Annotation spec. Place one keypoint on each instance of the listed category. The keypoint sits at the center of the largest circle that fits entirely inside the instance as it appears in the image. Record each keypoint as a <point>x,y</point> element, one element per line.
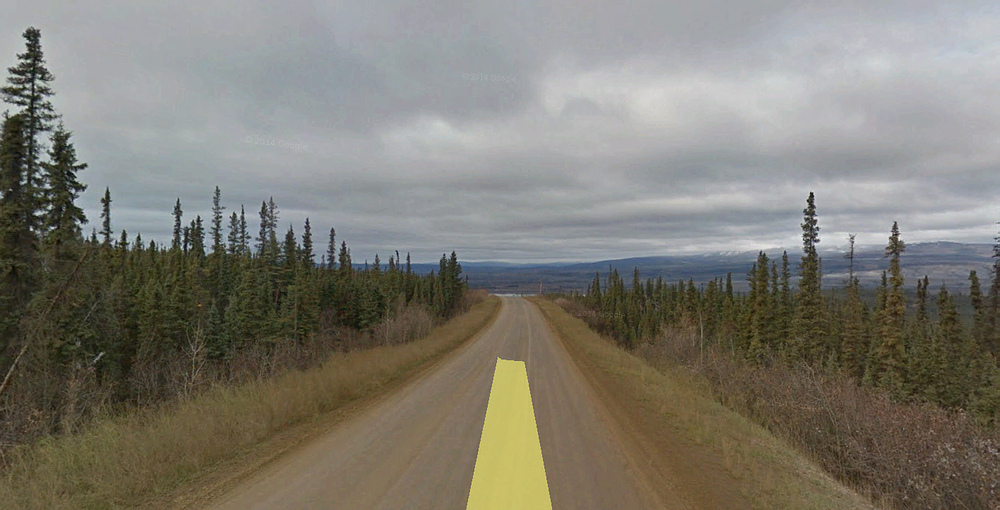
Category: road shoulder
<point>212,484</point>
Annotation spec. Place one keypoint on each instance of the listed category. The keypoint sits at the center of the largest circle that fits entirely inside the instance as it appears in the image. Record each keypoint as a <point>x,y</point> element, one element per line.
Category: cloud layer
<point>530,131</point>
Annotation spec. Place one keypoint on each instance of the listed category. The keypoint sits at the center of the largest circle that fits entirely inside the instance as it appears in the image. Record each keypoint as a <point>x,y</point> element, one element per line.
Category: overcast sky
<point>601,129</point>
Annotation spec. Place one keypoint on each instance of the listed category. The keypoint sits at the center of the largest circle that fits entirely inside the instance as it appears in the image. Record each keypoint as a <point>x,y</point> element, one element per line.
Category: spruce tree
<point>272,231</point>
<point>63,220</point>
<point>263,233</point>
<point>234,234</point>
<point>217,208</point>
<point>410,285</point>
<point>922,360</point>
<point>175,245</point>
<point>850,256</point>
<point>809,322</point>
<point>594,294</point>
<point>106,217</point>
<point>760,317</point>
<point>244,233</point>
<point>711,312</point>
<point>455,275</point>
<point>891,352</point>
<point>444,287</point>
<point>331,250</point>
<point>28,87</point>
<point>308,258</point>
<point>197,238</point>
<point>344,260</point>
<point>691,300</point>
<point>290,249</point>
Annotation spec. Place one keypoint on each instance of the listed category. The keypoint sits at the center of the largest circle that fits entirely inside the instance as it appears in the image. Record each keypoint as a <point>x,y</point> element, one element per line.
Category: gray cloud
<point>532,130</point>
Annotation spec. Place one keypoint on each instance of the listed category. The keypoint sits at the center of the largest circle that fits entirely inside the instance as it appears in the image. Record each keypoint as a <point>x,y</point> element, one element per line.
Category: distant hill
<point>946,262</point>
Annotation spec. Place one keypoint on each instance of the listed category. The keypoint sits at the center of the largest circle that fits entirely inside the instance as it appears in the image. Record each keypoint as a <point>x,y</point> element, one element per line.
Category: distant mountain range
<point>945,262</point>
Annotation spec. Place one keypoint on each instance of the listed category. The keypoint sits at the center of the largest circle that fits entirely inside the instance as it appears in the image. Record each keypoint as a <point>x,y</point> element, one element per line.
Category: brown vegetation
<point>902,455</point>
<point>766,469</point>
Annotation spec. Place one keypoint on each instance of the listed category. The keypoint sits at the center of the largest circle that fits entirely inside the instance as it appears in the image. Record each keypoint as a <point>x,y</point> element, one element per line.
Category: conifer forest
<point>98,321</point>
<point>919,349</point>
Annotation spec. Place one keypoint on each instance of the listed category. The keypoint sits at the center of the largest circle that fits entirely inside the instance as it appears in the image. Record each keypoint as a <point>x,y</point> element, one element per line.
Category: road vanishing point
<point>505,421</point>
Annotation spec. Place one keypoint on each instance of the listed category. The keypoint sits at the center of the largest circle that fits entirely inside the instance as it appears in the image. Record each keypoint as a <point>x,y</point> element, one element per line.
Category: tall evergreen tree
<point>308,258</point>
<point>594,294</point>
<point>922,359</point>
<point>63,219</point>
<point>760,316</point>
<point>244,233</point>
<point>344,260</point>
<point>106,217</point>
<point>331,250</point>
<point>234,234</point>
<point>809,324</point>
<point>217,208</point>
<point>272,230</point>
<point>196,238</point>
<point>455,274</point>
<point>850,257</point>
<point>263,233</point>
<point>290,251</point>
<point>175,245</point>
<point>28,87</point>
<point>891,352</point>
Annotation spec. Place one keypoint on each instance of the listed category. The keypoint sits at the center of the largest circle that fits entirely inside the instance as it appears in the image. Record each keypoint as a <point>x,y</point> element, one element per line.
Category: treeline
<point>123,318</point>
<point>911,355</point>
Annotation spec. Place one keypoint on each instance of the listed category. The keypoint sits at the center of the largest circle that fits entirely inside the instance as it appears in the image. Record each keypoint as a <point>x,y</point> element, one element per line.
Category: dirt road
<point>417,448</point>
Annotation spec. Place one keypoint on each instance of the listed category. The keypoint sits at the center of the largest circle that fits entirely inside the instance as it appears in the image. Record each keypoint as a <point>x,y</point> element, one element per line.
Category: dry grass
<point>771,473</point>
<point>124,461</point>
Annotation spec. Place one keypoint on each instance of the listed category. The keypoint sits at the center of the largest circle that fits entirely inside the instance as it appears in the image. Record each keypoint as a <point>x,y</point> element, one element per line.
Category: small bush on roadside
<point>405,324</point>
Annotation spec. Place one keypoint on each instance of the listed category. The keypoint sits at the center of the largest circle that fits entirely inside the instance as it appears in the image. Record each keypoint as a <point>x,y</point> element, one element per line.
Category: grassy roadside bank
<point>770,473</point>
<point>125,461</point>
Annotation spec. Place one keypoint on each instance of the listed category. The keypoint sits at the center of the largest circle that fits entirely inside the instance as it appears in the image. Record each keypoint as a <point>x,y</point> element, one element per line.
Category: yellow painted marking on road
<point>509,472</point>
